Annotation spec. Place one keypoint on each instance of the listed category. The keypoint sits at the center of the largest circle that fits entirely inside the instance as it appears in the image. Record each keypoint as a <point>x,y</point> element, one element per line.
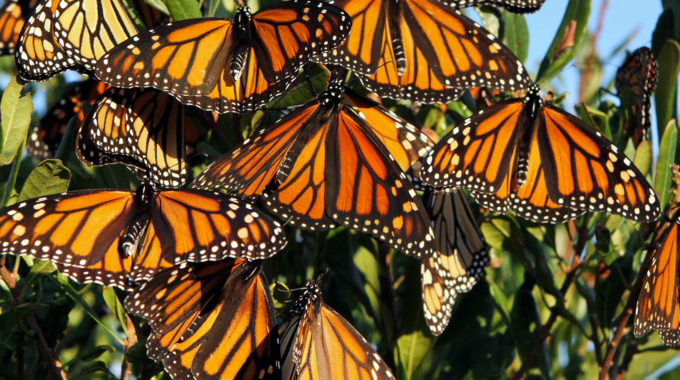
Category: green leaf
<point>15,115</point>
<point>667,149</point>
<point>669,64</point>
<point>49,177</point>
<point>183,9</point>
<point>567,40</point>
<point>516,36</point>
<point>643,156</point>
<point>311,83</point>
<point>112,301</point>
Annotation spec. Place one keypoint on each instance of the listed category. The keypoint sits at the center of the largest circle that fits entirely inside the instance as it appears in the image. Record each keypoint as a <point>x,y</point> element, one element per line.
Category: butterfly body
<point>134,233</point>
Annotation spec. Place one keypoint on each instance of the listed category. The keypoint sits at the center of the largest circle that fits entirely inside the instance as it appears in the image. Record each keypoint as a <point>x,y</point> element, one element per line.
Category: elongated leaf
<point>183,9</point>
<point>669,65</point>
<point>516,36</point>
<point>49,177</point>
<point>667,150</point>
<point>567,40</point>
<point>15,117</point>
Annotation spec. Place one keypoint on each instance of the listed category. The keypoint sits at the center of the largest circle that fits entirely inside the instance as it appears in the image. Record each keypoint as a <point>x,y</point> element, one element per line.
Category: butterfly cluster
<point>191,254</point>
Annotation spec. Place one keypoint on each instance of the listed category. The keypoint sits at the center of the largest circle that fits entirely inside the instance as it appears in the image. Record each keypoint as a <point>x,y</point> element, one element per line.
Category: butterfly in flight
<point>46,136</point>
<point>318,343</point>
<point>635,82</point>
<point>458,260</point>
<point>142,128</point>
<point>227,65</point>
<point>210,320</point>
<point>658,305</point>
<point>117,237</point>
<point>423,50</point>
<point>544,163</point>
<point>329,163</point>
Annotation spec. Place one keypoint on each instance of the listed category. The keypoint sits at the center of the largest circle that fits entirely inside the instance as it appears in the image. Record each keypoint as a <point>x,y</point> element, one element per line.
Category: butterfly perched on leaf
<point>318,343</point>
<point>73,34</point>
<point>13,14</point>
<point>227,65</point>
<point>117,237</point>
<point>329,163</point>
<point>210,320</point>
<point>636,81</point>
<point>46,136</point>
<point>658,305</point>
<point>458,260</point>
<point>423,50</point>
<point>142,128</point>
<point>544,163</point>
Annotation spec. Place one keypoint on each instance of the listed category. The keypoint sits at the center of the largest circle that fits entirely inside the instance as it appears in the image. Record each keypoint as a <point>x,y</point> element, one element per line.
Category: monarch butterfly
<point>635,83</point>
<point>458,260</point>
<point>116,237</point>
<point>545,163</point>
<point>13,15</point>
<point>210,320</point>
<point>65,34</point>
<point>227,65</point>
<point>143,129</point>
<point>46,135</point>
<point>423,50</point>
<point>318,343</point>
<point>517,6</point>
<point>325,164</point>
<point>658,306</point>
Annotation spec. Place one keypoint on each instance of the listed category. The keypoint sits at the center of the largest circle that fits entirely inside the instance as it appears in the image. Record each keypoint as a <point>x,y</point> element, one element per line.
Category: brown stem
<point>54,366</point>
<point>129,342</point>
<point>595,326</point>
<point>585,73</point>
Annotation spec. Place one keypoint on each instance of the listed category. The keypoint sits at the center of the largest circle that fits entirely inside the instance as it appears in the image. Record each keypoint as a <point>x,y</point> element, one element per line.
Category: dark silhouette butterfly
<point>70,34</point>
<point>635,83</point>
<point>117,237</point>
<point>318,343</point>
<point>328,163</point>
<point>458,260</point>
<point>45,137</point>
<point>227,65</point>
<point>212,320</point>
<point>423,50</point>
<point>544,163</point>
<point>144,129</point>
<point>658,305</point>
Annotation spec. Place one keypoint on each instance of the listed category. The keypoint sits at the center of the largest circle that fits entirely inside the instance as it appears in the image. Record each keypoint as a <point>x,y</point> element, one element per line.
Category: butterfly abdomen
<point>136,230</point>
<point>242,35</point>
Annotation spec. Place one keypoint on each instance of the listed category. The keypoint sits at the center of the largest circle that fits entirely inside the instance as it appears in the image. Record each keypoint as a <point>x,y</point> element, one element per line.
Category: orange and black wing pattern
<point>140,128</point>
<point>45,137</point>
<point>516,6</point>
<point>213,64</point>
<point>636,81</point>
<point>213,320</point>
<point>321,166</point>
<point>539,160</point>
<point>12,18</point>
<point>70,34</point>
<point>458,260</point>
<point>423,50</point>
<point>658,306</point>
<point>318,343</point>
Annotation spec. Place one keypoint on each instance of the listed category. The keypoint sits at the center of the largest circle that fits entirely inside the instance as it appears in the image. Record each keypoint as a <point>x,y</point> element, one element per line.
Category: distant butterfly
<point>72,34</point>
<point>458,260</point>
<point>227,65</point>
<point>211,320</point>
<point>329,163</point>
<point>13,14</point>
<point>45,137</point>
<point>636,81</point>
<point>423,50</point>
<point>318,343</point>
<point>544,163</point>
<point>658,306</point>
<point>143,129</point>
<point>116,237</point>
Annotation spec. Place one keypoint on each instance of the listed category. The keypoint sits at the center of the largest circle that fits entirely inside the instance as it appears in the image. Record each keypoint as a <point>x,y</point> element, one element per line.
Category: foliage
<point>556,301</point>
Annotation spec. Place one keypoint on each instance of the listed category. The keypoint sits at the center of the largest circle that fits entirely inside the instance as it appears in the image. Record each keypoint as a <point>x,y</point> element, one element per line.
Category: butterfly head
<point>333,93</point>
<point>533,101</point>
<point>242,20</point>
<point>145,194</point>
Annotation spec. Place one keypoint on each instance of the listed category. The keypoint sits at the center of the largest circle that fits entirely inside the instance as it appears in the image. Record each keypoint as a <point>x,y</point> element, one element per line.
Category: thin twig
<point>54,366</point>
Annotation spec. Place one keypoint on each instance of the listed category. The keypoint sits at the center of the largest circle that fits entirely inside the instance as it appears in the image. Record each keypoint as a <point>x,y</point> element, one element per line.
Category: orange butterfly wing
<point>458,260</point>
<point>318,343</point>
<point>12,19</point>
<point>211,320</point>
<point>658,306</point>
<point>635,83</point>
<point>191,59</point>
